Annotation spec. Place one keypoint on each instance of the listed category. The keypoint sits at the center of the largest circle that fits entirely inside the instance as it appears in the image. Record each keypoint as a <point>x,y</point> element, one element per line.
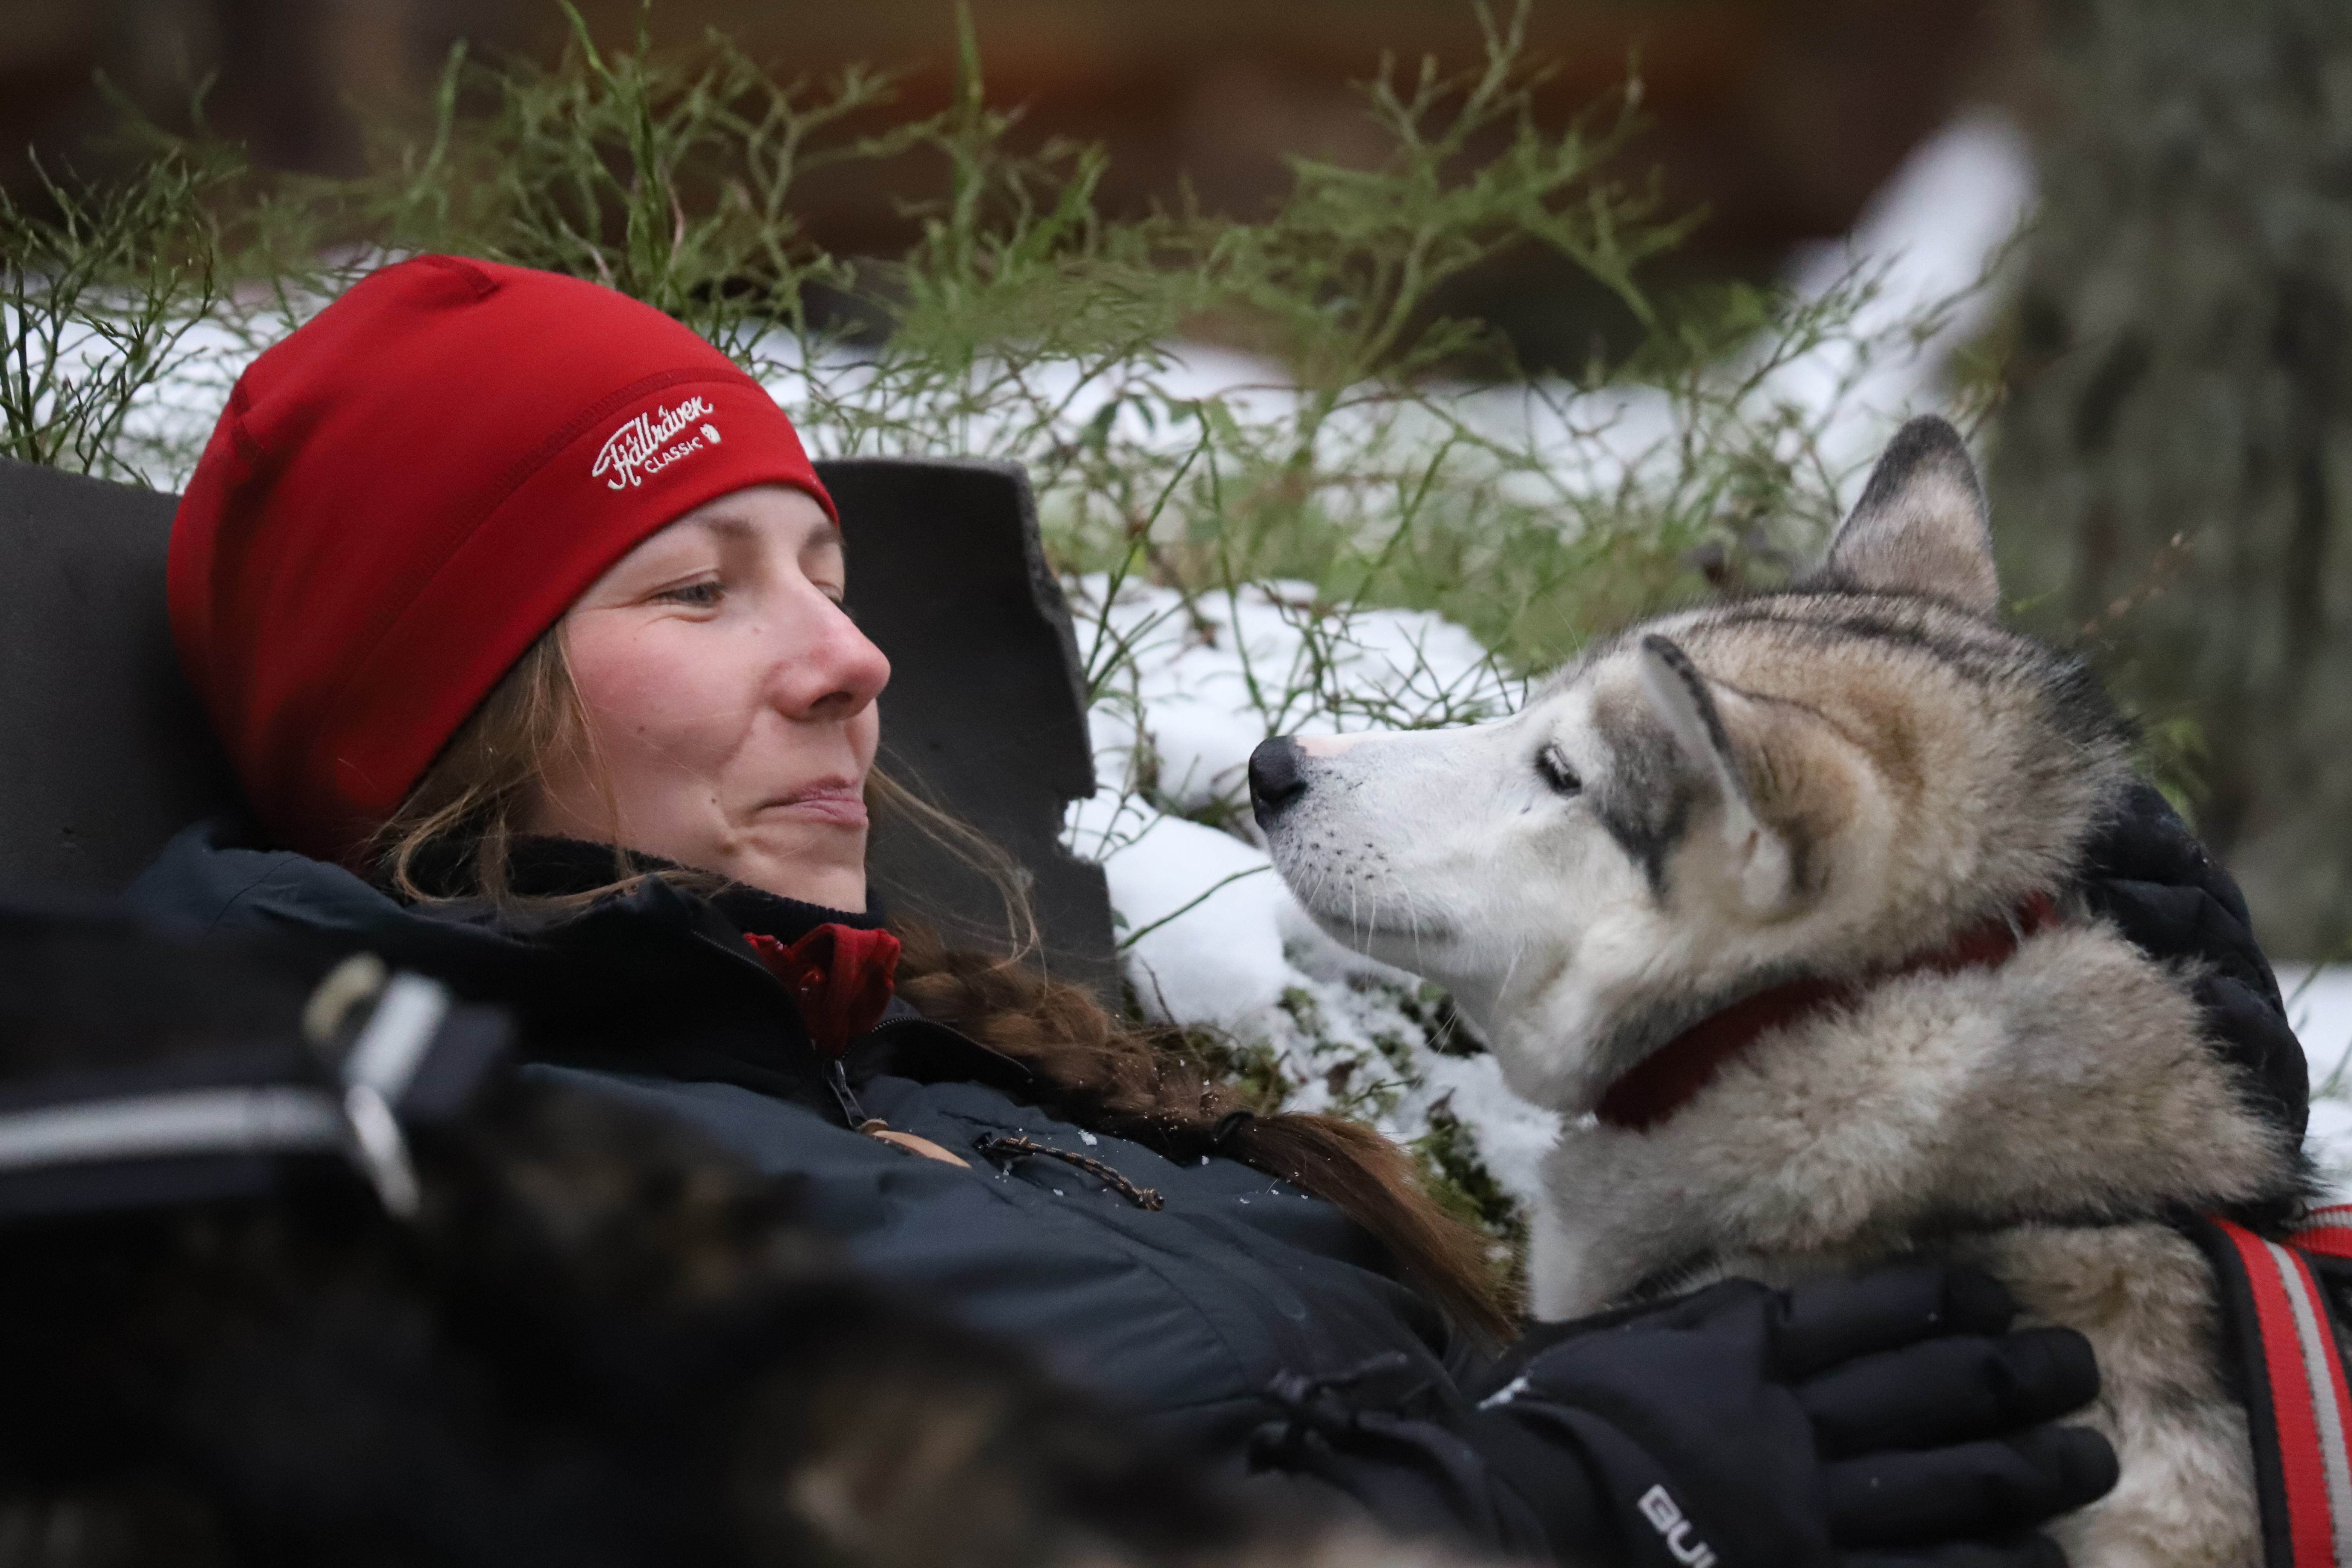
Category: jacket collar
<point>545,867</point>
<point>656,981</point>
<point>903,1043</point>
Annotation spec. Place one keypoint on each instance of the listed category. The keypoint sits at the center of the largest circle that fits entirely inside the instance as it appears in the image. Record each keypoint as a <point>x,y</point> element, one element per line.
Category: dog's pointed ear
<point>1758,861</point>
<point>1921,526</point>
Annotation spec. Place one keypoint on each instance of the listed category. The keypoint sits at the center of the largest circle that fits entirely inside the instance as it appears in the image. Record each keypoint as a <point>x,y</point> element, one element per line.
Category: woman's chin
<point>830,871</point>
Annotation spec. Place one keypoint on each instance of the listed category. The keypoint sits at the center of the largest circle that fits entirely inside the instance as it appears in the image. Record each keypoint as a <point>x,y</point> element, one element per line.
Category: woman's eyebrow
<point>732,527</point>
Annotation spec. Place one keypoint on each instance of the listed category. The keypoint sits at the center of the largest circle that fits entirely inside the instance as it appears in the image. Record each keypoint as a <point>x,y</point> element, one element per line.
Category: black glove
<point>1869,1423</point>
<point>1874,1420</point>
<point>2146,872</point>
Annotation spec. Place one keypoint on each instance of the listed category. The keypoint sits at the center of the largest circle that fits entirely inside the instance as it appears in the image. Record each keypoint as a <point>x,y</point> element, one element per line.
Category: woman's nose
<point>836,669</point>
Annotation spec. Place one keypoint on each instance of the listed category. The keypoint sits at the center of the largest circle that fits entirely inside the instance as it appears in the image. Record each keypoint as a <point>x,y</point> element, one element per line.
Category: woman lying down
<point>518,610</point>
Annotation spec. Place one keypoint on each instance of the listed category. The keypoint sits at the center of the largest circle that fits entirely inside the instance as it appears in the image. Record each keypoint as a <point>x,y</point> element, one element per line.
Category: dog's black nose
<point>1274,777</point>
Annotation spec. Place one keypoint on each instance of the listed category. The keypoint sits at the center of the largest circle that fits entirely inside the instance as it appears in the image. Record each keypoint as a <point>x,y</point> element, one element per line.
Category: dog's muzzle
<point>1275,778</point>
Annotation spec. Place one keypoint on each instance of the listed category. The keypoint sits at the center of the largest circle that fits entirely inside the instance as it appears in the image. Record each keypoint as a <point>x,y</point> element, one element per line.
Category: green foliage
<point>2173,754</point>
<point>672,182</point>
<point>1021,322</point>
<point>1451,1168</point>
<point>98,304</point>
<point>1253,1066</point>
<point>1369,1085</point>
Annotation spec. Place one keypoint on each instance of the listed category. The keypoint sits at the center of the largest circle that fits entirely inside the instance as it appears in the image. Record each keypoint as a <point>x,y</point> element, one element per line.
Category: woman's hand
<point>1882,1419</point>
<point>1890,1420</point>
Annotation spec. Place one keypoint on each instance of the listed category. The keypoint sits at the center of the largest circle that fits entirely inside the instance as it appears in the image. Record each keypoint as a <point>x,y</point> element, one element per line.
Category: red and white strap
<point>2327,1230</point>
<point>2310,1404</point>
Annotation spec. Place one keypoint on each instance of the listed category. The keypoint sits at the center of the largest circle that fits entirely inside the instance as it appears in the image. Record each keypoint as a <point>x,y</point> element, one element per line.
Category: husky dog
<point>1769,899</point>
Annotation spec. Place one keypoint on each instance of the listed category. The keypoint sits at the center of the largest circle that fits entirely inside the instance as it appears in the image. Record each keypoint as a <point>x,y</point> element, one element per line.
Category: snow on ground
<point>2319,1004</point>
<point>1918,268</point>
<point>1940,224</point>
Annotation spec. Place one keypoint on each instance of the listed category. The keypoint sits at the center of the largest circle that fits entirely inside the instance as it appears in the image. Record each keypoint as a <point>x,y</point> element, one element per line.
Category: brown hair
<point>1109,1074</point>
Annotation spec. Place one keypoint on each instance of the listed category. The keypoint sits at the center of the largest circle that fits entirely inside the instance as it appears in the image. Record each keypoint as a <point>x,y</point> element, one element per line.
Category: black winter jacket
<point>1182,1316</point>
<point>1188,1316</point>
<point>1239,1317</point>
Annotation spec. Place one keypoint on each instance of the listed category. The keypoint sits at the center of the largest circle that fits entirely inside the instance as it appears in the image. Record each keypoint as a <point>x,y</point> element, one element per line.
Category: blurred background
<point>1780,117</point>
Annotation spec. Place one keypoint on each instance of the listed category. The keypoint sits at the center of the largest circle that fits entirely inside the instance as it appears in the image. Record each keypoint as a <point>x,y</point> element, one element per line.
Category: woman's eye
<point>1557,773</point>
<point>702,594</point>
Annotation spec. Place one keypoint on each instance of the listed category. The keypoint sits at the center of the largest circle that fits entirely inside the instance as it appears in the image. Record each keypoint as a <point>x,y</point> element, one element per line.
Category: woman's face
<point>729,702</point>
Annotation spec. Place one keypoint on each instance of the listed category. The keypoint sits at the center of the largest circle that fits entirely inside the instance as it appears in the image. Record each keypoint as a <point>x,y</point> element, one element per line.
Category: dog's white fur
<point>1830,781</point>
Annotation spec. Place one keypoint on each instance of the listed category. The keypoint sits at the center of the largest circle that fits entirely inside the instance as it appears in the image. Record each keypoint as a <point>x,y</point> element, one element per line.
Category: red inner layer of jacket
<point>839,975</point>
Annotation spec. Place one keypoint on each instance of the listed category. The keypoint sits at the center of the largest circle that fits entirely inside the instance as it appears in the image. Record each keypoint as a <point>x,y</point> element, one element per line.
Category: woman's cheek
<point>654,687</point>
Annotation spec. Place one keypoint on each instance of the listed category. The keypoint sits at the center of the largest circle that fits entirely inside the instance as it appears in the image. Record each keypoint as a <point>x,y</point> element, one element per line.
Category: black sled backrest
<point>104,752</point>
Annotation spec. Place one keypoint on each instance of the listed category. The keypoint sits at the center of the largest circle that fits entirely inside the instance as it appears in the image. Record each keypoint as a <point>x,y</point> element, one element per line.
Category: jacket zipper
<point>836,1079</point>
<point>835,1075</point>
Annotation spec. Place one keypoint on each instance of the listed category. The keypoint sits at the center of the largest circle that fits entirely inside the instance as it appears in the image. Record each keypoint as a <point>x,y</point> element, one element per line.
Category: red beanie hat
<point>411,487</point>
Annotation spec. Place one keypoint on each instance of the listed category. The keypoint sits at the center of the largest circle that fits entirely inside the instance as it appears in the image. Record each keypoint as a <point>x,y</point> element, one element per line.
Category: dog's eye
<point>1557,773</point>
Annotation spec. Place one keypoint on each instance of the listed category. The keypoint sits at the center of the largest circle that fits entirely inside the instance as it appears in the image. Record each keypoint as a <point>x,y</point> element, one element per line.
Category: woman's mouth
<point>839,802</point>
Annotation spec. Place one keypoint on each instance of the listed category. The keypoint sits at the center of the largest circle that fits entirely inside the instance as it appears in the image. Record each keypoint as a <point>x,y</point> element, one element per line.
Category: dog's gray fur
<point>1828,781</point>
